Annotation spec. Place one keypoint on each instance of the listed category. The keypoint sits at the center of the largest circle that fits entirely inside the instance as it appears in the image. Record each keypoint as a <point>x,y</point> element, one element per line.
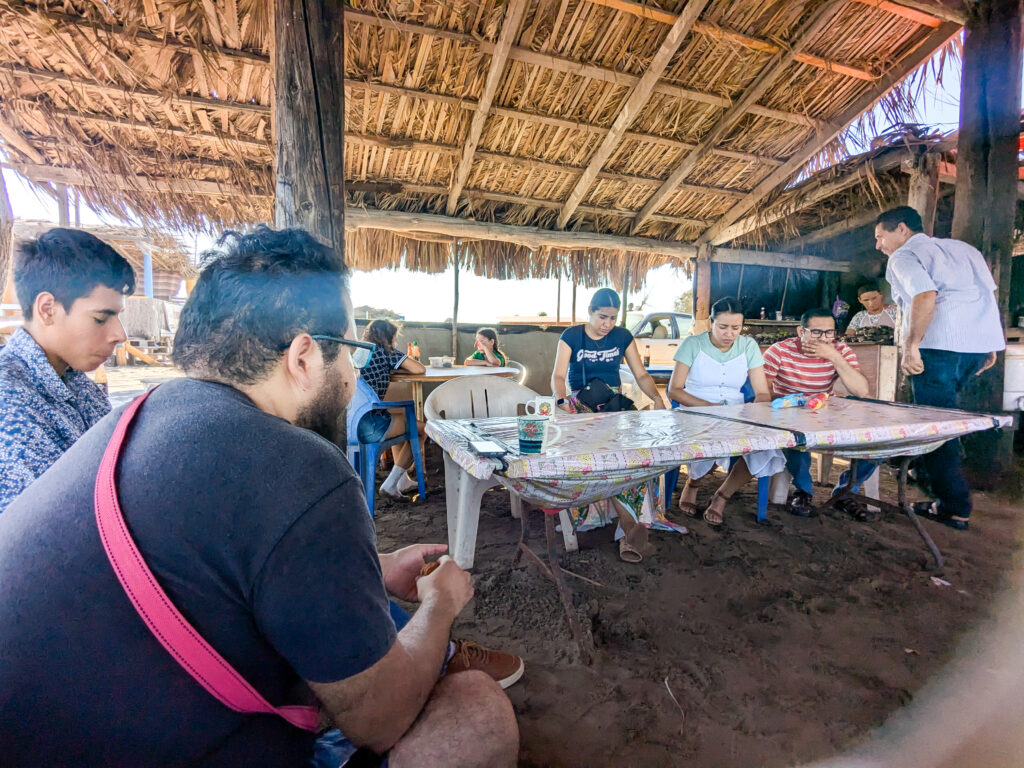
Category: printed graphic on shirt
<point>598,355</point>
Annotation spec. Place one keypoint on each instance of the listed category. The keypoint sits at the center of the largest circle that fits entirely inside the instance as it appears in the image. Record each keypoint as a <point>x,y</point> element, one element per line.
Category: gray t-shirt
<point>257,530</point>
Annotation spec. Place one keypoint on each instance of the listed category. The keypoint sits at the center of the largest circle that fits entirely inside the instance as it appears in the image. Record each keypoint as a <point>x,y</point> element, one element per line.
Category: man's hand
<point>988,363</point>
<point>912,363</point>
<point>821,348</point>
<point>448,587</point>
<point>402,567</point>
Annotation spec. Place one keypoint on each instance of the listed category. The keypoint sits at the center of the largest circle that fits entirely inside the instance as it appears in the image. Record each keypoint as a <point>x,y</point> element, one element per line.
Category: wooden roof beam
<point>495,70</point>
<point>555,122</point>
<point>396,188</point>
<point>138,125</point>
<point>928,14</point>
<point>771,72</point>
<point>631,108</point>
<point>726,228</point>
<point>75,178</point>
<point>581,69</point>
<point>719,33</point>
<point>535,239</point>
<point>385,142</point>
<point>117,91</point>
<point>61,21</point>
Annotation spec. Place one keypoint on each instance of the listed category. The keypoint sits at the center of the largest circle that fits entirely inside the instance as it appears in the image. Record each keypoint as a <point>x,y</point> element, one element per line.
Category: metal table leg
<point>553,571</point>
<point>846,492</point>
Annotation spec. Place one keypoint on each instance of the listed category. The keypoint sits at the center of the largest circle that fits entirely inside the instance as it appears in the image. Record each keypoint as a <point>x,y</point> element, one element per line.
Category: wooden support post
<point>63,217</point>
<point>785,290</point>
<point>702,290</point>
<point>986,182</point>
<point>6,235</point>
<point>78,209</point>
<point>455,307</point>
<point>625,292</point>
<point>309,112</point>
<point>558,300</point>
<point>574,301</point>
<point>924,186</point>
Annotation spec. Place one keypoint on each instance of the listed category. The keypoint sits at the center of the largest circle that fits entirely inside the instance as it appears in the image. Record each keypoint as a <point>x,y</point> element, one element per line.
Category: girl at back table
<point>381,424</point>
<point>487,352</point>
<point>595,350</point>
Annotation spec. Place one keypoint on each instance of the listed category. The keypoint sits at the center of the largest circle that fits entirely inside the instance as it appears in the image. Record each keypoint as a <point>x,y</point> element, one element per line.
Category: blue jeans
<point>945,376</point>
<point>799,465</point>
<point>332,749</point>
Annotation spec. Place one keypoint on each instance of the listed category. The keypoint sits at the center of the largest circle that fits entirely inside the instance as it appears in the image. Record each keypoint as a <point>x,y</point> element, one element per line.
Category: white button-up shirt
<point>966,315</point>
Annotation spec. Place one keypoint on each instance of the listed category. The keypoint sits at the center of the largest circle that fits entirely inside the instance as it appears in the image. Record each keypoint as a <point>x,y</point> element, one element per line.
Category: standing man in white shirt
<point>876,313</point>
<point>952,331</point>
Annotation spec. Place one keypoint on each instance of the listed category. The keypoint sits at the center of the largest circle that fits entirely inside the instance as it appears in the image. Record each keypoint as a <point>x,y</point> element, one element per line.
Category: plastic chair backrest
<point>364,400</point>
<point>521,376</point>
<point>476,397</point>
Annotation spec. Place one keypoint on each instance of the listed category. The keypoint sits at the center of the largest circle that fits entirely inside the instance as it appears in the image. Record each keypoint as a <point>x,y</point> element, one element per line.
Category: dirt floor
<point>760,645</point>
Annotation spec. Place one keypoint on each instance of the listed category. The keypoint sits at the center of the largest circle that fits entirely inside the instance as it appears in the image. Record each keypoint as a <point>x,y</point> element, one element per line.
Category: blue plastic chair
<point>363,456</point>
<point>763,483</point>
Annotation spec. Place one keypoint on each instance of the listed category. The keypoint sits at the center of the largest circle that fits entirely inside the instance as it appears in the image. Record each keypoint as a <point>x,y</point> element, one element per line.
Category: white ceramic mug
<point>542,406</point>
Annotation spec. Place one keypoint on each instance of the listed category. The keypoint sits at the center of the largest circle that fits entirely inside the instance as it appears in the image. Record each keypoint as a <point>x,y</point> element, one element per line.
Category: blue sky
<point>430,297</point>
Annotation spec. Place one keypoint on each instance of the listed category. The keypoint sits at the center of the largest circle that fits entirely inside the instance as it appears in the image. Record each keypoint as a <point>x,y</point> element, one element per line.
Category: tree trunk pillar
<point>309,118</point>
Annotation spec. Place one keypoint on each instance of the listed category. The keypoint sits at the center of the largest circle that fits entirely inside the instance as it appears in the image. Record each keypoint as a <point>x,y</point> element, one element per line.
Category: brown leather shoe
<point>505,668</point>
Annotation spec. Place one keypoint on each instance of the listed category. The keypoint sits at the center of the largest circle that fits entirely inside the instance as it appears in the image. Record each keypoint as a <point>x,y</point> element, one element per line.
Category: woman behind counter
<point>595,350</point>
<point>712,369</point>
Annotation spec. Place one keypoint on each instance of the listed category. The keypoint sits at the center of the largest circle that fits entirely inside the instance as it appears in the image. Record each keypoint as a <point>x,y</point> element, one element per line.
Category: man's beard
<point>326,414</point>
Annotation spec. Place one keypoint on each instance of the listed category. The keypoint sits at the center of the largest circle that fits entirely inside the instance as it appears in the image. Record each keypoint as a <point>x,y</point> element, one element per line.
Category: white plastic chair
<point>478,397</point>
<point>521,376</point>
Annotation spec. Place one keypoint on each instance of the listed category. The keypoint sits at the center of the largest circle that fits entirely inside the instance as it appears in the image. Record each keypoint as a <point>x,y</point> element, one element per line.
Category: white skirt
<point>760,464</point>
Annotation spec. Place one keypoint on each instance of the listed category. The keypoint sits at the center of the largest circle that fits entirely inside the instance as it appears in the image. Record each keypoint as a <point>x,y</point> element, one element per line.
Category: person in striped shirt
<point>810,364</point>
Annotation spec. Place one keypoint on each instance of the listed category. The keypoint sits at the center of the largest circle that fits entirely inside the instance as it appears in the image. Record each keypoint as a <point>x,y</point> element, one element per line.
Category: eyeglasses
<point>361,351</point>
<point>816,333</point>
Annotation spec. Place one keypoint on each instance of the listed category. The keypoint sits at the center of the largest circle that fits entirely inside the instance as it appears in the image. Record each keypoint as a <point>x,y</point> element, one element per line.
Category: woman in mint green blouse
<point>711,369</point>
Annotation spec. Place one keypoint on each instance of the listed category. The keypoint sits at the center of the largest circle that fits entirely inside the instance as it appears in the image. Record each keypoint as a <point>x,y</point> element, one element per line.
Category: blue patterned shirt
<point>41,414</point>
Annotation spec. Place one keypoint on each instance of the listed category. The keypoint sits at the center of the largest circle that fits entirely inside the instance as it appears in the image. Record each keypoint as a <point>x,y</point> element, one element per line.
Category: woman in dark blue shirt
<point>595,350</point>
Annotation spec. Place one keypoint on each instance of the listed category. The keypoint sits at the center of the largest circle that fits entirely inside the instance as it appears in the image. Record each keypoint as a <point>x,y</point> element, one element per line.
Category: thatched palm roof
<point>667,120</point>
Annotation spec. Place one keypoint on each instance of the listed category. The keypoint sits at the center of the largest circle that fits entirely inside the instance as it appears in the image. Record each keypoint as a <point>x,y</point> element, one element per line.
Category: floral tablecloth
<point>599,455</point>
<point>864,429</point>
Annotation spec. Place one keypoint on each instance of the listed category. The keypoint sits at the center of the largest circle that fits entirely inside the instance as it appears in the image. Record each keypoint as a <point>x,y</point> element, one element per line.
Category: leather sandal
<point>711,512</point>
<point>930,511</point>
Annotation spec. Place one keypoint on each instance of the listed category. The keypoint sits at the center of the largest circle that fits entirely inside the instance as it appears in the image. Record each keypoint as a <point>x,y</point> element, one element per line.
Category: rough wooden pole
<point>986,173</point>
<point>924,187</point>
<point>702,289</point>
<point>309,117</point>
<point>986,183</point>
<point>625,292</point>
<point>574,301</point>
<point>63,215</point>
<point>558,299</point>
<point>455,308</point>
<point>6,235</point>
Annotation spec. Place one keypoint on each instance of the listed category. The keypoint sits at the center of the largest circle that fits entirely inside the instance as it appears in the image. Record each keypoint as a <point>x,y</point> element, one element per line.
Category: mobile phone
<point>487,448</point>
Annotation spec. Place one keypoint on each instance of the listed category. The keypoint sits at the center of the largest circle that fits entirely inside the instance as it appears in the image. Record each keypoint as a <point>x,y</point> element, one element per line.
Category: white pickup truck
<point>658,336</point>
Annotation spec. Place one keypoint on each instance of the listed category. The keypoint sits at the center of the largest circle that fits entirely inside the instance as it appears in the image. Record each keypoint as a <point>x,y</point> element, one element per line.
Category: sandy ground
<point>780,644</point>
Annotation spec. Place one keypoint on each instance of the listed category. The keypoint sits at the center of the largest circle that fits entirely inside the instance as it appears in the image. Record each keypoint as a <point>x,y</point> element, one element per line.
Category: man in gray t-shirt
<point>257,530</point>
<point>951,333</point>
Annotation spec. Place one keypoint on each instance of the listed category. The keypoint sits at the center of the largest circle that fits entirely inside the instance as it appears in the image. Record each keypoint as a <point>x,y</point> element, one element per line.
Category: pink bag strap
<point>166,623</point>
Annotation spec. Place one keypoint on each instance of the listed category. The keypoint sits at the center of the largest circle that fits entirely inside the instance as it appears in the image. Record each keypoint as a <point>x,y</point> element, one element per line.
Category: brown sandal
<point>689,508</point>
<point>711,512</point>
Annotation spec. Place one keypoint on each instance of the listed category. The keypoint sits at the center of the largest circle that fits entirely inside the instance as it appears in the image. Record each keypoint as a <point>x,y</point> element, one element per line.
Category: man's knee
<point>483,706</point>
<point>468,720</point>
